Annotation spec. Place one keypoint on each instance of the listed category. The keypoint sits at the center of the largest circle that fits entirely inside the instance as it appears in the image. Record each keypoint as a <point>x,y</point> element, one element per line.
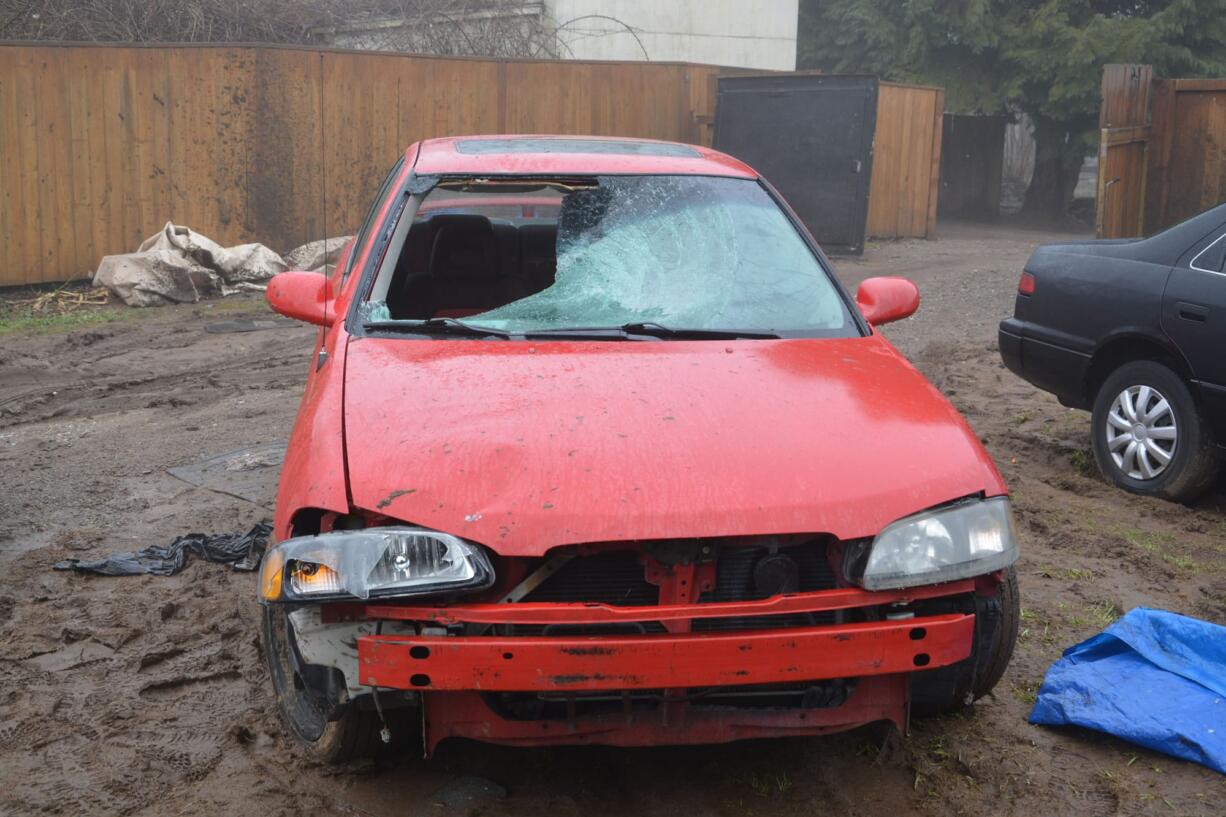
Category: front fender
<point>314,474</point>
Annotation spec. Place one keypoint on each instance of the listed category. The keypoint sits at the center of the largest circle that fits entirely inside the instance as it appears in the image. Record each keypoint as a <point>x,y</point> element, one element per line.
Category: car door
<point>1194,308</point>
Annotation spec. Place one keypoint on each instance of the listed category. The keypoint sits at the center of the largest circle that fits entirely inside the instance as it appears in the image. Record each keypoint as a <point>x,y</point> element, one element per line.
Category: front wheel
<point>951,688</point>
<point>1148,434</point>
<point>352,736</point>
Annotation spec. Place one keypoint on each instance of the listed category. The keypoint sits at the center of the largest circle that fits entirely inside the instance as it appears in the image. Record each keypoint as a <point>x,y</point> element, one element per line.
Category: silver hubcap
<point>1141,432</point>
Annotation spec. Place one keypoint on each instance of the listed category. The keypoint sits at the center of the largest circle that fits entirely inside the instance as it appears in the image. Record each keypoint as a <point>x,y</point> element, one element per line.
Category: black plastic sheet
<point>242,550</point>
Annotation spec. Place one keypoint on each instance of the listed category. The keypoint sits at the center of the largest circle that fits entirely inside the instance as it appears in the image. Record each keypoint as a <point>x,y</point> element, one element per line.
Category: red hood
<point>525,446</point>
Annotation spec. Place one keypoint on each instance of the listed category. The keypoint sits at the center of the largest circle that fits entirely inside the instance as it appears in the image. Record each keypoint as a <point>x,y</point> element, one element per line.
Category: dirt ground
<point>148,695</point>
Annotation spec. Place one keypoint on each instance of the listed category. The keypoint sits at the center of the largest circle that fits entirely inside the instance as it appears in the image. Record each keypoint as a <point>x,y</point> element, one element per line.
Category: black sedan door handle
<point>1192,312</point>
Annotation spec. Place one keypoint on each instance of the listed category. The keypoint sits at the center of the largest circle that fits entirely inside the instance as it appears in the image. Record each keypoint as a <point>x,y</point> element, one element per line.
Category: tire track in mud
<point>101,396</point>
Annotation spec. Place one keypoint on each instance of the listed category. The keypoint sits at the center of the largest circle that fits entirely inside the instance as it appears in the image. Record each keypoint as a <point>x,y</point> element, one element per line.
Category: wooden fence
<point>1123,150</point>
<point>1187,153</point>
<point>100,145</point>
<point>1162,150</point>
<point>902,194</point>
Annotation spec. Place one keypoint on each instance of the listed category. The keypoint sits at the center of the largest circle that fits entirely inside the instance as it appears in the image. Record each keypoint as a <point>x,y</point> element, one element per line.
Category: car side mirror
<point>882,300</point>
<point>304,296</point>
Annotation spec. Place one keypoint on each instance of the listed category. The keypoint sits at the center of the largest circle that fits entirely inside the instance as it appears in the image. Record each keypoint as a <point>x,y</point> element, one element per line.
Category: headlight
<point>956,542</point>
<point>372,562</point>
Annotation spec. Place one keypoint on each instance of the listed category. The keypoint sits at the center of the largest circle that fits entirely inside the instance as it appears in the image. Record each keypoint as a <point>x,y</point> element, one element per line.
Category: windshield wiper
<point>650,329</point>
<point>660,331</point>
<point>438,326</point>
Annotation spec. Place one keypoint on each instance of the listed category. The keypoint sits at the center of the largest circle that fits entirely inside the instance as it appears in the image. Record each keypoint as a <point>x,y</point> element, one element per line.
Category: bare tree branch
<point>628,29</point>
<point>487,28</point>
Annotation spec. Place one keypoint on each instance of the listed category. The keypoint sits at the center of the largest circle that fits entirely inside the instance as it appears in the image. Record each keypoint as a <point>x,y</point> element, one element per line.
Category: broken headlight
<point>372,562</point>
<point>955,542</point>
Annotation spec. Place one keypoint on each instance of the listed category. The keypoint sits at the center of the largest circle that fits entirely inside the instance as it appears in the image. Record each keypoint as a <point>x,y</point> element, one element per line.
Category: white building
<point>740,33</point>
<point>737,33</point>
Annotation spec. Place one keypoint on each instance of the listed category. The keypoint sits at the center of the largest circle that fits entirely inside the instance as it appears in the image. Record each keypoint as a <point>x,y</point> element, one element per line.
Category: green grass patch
<point>1025,692</point>
<point>1036,627</point>
<point>1097,615</point>
<point>65,307</point>
<point>24,322</point>
<point>766,785</point>
<point>1083,462</point>
<point>1145,539</point>
<point>1103,613</point>
<point>1159,544</point>
<point>1179,560</point>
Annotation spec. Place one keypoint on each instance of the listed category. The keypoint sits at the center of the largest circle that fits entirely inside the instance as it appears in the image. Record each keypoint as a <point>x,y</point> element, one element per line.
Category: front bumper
<point>663,687</point>
<point>589,663</point>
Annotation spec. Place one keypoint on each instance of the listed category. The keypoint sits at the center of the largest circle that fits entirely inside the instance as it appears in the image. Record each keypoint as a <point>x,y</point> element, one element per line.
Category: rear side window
<point>1212,258</point>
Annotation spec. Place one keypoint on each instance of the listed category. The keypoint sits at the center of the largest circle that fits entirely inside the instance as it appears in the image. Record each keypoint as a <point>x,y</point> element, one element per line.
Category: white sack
<point>313,256</point>
<point>180,265</point>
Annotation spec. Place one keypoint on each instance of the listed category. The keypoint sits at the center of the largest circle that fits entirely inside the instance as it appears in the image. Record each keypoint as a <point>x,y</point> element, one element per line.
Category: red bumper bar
<point>524,664</point>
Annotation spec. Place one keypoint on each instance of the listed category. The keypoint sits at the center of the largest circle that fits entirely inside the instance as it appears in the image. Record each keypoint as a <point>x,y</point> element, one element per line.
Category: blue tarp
<point>1153,678</point>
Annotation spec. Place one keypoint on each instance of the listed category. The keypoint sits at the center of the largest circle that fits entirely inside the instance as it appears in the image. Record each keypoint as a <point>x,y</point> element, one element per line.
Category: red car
<point>595,449</point>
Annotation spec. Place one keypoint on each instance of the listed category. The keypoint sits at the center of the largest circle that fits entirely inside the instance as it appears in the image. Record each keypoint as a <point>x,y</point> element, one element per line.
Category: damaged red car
<point>595,449</point>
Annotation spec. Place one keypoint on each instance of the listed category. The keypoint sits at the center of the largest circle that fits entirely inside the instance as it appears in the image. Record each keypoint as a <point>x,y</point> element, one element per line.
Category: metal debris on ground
<point>248,473</point>
<point>245,325</point>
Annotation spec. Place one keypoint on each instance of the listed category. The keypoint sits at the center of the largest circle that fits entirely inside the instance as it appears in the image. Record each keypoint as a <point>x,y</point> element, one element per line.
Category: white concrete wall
<point>742,33</point>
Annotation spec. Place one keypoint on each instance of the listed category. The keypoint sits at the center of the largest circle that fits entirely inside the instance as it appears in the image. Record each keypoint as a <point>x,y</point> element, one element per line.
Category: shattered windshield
<point>685,253</point>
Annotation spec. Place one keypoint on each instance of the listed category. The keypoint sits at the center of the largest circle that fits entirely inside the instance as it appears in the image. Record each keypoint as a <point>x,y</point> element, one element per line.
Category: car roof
<point>579,155</point>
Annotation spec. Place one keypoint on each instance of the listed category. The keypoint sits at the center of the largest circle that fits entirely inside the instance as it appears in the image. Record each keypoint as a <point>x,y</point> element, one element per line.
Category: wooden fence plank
<point>29,260</point>
<point>285,149</point>
<point>902,193</point>
<point>934,175</point>
<point>1123,123</point>
<point>1125,95</point>
<point>8,160</point>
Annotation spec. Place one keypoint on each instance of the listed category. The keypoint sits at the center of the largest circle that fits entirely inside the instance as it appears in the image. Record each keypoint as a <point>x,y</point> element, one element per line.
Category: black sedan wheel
<point>1148,433</point>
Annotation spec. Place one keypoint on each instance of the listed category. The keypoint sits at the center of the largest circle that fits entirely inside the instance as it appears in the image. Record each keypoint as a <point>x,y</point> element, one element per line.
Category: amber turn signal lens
<point>272,571</point>
<point>313,579</point>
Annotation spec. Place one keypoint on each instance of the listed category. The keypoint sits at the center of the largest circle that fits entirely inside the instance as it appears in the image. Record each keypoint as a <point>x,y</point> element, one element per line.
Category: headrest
<point>464,248</point>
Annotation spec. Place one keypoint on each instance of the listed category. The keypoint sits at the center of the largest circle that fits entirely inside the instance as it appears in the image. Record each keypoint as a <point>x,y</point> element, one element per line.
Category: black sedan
<point>1134,330</point>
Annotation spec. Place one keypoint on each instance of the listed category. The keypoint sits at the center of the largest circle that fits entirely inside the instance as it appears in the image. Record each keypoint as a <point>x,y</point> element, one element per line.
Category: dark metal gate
<point>811,136</point>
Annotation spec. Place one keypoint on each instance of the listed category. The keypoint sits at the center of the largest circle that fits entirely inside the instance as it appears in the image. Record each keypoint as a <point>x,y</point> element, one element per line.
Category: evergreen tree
<point>1040,57</point>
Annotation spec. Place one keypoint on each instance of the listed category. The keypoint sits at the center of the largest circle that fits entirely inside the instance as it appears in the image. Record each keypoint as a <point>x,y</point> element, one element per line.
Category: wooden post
<point>938,123</point>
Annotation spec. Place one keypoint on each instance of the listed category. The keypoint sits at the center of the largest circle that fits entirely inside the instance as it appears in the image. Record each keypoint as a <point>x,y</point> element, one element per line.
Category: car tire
<point>355,735</point>
<point>1129,457</point>
<point>953,688</point>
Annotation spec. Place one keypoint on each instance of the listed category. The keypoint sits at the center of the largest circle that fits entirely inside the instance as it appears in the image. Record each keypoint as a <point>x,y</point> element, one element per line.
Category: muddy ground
<point>148,695</point>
